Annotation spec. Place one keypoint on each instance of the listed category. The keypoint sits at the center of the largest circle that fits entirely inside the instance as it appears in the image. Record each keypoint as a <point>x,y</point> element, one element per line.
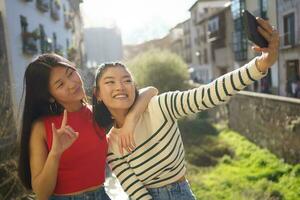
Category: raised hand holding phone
<point>265,38</point>
<point>251,25</point>
<point>63,137</point>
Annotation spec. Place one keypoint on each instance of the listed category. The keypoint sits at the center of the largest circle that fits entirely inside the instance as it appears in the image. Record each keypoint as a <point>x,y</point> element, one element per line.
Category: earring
<point>53,107</point>
<point>99,100</point>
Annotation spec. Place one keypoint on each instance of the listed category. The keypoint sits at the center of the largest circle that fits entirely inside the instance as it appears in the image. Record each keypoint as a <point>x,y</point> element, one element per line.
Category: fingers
<point>64,120</point>
<point>54,130</point>
<point>132,142</point>
<point>127,143</point>
<point>120,146</point>
<point>67,129</point>
<point>264,24</point>
<point>265,34</point>
<point>70,132</point>
<point>274,42</point>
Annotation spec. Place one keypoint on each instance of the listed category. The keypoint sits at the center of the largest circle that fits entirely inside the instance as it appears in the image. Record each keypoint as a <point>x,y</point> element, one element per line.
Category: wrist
<point>259,66</point>
<point>54,154</point>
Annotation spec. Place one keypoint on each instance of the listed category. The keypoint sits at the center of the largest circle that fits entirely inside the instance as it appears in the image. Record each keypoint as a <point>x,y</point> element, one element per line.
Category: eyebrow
<point>66,72</point>
<point>111,77</point>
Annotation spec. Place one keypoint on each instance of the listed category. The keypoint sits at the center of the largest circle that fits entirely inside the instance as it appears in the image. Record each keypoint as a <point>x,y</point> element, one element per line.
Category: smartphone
<point>250,26</point>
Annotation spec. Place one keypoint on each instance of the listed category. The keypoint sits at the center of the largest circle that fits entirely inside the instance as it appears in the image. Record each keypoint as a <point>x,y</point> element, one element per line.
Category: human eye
<point>59,85</point>
<point>109,82</point>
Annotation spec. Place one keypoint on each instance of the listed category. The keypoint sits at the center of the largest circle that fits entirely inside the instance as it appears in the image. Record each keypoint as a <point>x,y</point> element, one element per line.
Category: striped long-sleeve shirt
<point>158,159</point>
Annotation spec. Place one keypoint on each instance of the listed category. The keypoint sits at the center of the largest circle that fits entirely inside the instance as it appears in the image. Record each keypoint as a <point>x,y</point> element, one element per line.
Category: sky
<point>138,20</point>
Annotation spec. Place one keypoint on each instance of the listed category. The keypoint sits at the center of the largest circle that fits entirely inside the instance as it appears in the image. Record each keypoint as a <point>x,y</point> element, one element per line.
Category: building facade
<point>220,26</point>
<point>289,55</point>
<point>32,27</point>
<point>180,40</point>
<point>102,45</point>
<point>200,11</point>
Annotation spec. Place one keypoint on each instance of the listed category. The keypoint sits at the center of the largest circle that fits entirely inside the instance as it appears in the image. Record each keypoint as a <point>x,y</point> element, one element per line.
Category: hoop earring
<point>53,107</point>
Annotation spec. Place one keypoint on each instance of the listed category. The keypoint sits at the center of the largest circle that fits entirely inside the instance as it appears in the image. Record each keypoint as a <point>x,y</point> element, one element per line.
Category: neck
<point>119,116</point>
<point>73,107</point>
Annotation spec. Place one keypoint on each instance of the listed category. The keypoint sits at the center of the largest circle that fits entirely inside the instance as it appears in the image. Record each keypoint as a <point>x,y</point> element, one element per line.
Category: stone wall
<point>272,122</point>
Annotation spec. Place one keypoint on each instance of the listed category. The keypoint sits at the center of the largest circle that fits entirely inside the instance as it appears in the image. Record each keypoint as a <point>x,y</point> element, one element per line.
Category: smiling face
<point>116,89</point>
<point>66,87</point>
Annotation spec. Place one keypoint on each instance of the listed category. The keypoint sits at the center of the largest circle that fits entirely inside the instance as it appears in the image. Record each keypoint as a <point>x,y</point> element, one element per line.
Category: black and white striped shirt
<point>158,159</point>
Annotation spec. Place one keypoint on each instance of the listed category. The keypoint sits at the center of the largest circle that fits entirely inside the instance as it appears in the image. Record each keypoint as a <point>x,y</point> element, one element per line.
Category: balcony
<point>55,8</point>
<point>69,16</point>
<point>42,5</point>
<point>29,42</point>
<point>46,45</point>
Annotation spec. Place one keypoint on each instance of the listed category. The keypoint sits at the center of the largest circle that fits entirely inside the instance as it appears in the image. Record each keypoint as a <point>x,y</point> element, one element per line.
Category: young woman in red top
<point>63,152</point>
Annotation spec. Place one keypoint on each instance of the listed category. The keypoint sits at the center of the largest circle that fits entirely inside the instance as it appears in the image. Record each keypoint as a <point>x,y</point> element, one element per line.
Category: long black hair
<point>37,104</point>
<point>101,114</point>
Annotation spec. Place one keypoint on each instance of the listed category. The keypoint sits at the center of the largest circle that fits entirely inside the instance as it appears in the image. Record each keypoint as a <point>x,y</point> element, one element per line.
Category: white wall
<point>16,59</point>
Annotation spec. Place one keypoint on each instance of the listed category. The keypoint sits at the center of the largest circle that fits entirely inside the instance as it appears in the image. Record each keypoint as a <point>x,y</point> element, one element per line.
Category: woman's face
<point>65,86</point>
<point>116,89</point>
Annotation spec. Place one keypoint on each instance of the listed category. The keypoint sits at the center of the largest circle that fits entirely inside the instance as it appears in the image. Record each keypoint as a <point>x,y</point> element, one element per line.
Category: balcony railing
<point>29,40</point>
<point>55,8</point>
<point>42,5</point>
<point>69,16</point>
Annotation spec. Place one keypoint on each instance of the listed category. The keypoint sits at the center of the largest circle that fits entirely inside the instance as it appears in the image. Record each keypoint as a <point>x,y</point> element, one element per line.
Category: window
<point>29,39</point>
<point>239,36</point>
<point>24,23</point>
<point>236,8</point>
<point>263,8</point>
<point>213,24</point>
<point>289,29</point>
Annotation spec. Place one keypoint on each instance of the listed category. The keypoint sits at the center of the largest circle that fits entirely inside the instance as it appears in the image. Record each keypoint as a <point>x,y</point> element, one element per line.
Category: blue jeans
<point>174,191</point>
<point>98,194</point>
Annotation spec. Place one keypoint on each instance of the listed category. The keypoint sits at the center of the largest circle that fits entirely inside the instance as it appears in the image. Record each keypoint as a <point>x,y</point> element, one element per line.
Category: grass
<point>236,169</point>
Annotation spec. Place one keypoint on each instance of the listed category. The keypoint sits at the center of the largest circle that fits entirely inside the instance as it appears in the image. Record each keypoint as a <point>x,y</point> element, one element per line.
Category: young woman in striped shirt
<point>155,169</point>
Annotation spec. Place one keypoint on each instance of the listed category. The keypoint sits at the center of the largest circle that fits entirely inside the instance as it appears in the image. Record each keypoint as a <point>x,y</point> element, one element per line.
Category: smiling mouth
<point>120,96</point>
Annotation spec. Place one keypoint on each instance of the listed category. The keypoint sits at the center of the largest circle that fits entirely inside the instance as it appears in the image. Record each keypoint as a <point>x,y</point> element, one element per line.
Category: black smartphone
<point>250,26</point>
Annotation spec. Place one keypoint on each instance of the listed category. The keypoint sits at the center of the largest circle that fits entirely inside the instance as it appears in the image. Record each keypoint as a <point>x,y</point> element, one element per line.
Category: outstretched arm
<point>178,104</point>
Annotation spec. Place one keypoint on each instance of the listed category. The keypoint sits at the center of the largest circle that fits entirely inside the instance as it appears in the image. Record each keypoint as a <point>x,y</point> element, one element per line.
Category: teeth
<point>120,96</point>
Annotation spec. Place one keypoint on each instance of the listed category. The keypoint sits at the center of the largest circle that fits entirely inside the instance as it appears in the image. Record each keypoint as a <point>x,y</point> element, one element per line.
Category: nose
<point>120,85</point>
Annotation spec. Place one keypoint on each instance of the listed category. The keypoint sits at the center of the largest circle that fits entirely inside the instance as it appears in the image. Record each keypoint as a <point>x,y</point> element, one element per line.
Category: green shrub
<point>160,68</point>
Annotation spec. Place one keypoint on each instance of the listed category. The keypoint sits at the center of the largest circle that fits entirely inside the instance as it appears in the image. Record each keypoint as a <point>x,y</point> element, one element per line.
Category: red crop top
<point>82,165</point>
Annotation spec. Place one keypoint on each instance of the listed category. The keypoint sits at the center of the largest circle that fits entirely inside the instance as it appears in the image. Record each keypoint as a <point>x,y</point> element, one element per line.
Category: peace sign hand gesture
<point>63,137</point>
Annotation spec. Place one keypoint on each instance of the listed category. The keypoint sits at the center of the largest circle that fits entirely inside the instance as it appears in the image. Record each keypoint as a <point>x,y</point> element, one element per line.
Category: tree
<point>160,68</point>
